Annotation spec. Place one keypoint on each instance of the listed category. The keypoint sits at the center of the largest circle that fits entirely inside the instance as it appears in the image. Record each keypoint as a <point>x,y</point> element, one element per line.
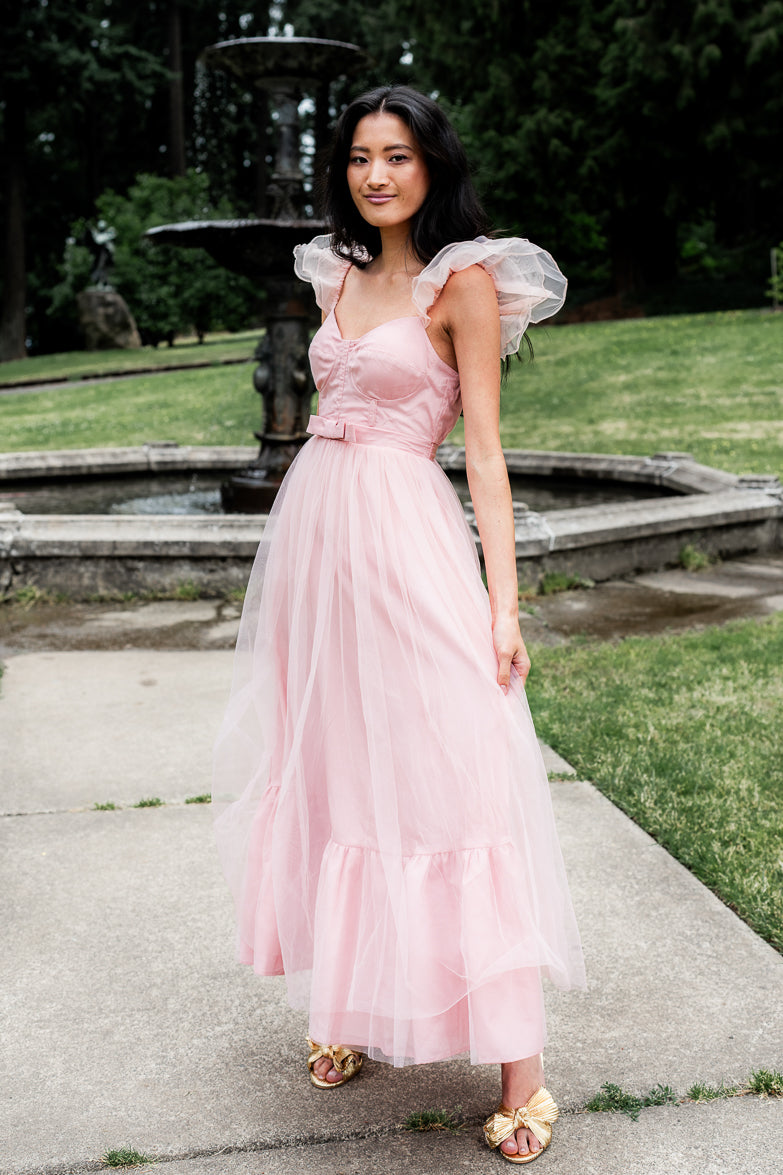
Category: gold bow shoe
<point>344,1061</point>
<point>537,1116</point>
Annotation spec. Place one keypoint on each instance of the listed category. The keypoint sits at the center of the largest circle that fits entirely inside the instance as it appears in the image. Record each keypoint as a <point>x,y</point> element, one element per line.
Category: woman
<point>393,851</point>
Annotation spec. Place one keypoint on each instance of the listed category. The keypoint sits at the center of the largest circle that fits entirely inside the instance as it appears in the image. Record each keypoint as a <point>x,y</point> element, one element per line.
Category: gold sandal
<point>344,1060</point>
<point>537,1116</point>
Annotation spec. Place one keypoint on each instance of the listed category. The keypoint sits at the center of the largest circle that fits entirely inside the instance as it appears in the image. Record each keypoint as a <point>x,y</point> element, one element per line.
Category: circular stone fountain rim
<point>283,59</point>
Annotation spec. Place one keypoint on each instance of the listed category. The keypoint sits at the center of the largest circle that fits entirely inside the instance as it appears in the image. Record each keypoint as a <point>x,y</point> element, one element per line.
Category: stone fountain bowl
<point>266,61</point>
<point>257,249</point>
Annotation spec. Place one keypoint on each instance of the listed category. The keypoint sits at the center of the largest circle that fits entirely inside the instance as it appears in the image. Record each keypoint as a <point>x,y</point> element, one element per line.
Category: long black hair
<point>451,210</point>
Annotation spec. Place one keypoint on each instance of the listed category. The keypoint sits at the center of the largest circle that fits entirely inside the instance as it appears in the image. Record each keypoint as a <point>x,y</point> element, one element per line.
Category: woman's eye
<point>357,159</point>
<point>398,158</point>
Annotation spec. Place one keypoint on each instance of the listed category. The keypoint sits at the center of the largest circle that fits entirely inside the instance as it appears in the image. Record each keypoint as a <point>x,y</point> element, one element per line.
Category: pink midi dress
<point>383,813</point>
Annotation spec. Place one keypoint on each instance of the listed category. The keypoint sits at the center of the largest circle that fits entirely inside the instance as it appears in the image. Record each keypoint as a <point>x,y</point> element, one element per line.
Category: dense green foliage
<point>681,732</point>
<point>608,128</point>
<point>636,139</point>
<point>168,290</point>
<point>84,107</point>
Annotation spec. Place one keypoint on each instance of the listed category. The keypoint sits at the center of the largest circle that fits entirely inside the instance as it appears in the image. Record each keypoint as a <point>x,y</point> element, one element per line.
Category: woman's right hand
<point>510,650</point>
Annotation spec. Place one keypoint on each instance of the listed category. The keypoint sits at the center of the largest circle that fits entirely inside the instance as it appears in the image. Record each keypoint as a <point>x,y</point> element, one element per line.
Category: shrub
<point>169,290</point>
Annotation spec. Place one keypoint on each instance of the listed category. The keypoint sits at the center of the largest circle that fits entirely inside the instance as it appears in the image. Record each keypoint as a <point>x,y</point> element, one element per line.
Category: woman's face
<point>387,175</point>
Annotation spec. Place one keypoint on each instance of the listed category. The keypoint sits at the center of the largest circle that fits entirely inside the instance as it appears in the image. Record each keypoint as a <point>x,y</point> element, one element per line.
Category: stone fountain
<point>284,68</point>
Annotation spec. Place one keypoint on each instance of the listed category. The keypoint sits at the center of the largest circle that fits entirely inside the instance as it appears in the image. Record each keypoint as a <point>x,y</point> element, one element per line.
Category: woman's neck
<point>396,254</point>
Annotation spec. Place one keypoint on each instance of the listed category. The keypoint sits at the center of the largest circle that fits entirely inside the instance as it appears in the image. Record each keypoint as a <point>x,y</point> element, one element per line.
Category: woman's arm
<point>470,316</point>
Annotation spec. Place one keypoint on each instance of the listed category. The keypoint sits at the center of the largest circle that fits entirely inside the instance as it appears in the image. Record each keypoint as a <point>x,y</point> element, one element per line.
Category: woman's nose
<point>378,172</point>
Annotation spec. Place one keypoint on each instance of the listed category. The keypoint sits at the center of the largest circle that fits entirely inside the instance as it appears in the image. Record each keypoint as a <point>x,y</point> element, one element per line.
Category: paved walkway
<point>127,1023</point>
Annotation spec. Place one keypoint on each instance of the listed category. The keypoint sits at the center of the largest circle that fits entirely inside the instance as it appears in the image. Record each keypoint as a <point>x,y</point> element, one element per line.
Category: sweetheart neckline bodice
<point>332,316</point>
<point>364,334</point>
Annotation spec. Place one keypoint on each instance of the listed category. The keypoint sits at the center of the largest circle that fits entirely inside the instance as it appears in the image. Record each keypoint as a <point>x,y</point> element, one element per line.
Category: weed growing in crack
<point>766,1083</point>
<point>699,1092</point>
<point>125,1156</point>
<point>613,1099</point>
<point>434,1120</point>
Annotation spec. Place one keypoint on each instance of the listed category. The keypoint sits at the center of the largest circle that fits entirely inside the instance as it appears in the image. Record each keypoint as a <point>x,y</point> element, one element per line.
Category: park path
<point>25,386</point>
<point>127,1022</point>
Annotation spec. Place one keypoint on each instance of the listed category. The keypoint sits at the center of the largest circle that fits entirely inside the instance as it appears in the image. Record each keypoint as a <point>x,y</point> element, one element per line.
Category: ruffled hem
<point>470,978</point>
<point>529,285</point>
<point>501,1021</point>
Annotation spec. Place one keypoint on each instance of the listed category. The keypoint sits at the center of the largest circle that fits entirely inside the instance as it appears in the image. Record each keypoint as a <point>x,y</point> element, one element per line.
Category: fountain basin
<point>86,555</point>
<point>256,248</point>
<point>269,61</point>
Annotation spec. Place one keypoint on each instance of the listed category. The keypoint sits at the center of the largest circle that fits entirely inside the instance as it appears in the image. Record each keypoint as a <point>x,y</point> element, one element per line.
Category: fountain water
<point>283,68</point>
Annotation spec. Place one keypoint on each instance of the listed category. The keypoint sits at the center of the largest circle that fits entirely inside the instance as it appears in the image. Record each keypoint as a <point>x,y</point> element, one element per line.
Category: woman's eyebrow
<point>391,147</point>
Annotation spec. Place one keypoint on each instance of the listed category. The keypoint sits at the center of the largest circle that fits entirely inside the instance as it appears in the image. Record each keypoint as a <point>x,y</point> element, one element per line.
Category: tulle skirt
<point>382,810</point>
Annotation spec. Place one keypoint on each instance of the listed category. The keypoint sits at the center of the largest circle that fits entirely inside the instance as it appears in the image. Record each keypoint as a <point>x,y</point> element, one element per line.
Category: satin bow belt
<point>364,434</point>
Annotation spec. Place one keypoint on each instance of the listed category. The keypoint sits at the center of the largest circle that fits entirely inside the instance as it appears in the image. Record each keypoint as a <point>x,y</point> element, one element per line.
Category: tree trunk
<point>176,99</point>
<point>12,321</point>
<point>643,247</point>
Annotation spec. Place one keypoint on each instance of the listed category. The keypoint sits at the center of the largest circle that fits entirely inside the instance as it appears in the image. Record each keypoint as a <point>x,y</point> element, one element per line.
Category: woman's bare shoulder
<point>468,292</point>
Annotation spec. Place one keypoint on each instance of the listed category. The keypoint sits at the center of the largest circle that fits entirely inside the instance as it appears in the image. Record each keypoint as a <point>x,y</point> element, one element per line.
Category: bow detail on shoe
<point>344,1060</point>
<point>537,1116</point>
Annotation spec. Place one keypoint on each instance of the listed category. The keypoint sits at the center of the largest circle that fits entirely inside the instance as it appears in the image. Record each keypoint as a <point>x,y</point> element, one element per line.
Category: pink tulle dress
<point>383,812</point>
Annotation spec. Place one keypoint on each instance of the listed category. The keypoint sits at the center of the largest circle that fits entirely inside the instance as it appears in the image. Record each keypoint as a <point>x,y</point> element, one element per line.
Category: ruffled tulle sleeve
<point>529,285</point>
<point>316,263</point>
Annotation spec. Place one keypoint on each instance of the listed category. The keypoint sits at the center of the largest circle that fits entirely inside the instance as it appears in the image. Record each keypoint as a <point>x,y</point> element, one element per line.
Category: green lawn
<point>209,406</point>
<point>710,384</point>
<point>216,348</point>
<point>683,733</point>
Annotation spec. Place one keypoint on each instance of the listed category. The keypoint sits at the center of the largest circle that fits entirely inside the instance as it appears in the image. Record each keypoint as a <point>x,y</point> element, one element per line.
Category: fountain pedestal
<point>263,250</point>
<point>284,382</point>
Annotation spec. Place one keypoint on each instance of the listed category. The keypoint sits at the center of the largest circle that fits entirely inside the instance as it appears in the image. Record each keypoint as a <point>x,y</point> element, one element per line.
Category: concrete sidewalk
<point>127,1022</point>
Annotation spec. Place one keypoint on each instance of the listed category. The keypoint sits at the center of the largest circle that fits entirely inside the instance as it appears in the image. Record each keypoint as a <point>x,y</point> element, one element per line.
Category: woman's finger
<point>504,670</point>
<point>521,663</point>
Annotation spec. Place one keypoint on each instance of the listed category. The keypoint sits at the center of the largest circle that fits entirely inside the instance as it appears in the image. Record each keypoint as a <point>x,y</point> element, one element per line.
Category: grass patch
<point>107,807</point>
<point>682,732</point>
<point>206,798</point>
<point>708,1093</point>
<point>30,596</point>
<point>124,1156</point>
<point>209,406</point>
<point>217,348</point>
<point>692,559</point>
<point>705,383</point>
<point>611,1099</point>
<point>560,581</point>
<point>434,1120</point>
<point>708,384</point>
<point>766,1083</point>
<point>152,802</point>
<point>187,590</point>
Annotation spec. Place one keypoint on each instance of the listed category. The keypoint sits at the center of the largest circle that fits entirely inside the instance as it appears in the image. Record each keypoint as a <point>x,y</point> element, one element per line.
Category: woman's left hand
<point>510,650</point>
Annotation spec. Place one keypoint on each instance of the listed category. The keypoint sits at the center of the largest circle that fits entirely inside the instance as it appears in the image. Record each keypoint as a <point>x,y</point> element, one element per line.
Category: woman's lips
<point>379,199</point>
